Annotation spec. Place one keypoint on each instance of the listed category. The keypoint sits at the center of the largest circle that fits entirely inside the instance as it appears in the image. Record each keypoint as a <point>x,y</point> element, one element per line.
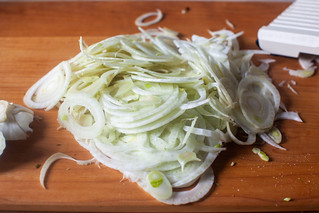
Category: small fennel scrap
<point>140,21</point>
<point>159,109</point>
<point>307,63</point>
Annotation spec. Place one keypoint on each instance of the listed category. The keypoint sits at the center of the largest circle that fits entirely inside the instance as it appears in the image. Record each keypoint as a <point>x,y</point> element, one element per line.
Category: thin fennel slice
<point>289,116</point>
<point>270,141</point>
<point>198,192</point>
<point>82,115</point>
<point>55,157</point>
<point>159,109</point>
<point>48,91</point>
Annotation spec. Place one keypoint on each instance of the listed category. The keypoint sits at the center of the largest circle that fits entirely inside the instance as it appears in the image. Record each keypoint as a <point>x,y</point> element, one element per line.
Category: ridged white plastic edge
<point>294,31</point>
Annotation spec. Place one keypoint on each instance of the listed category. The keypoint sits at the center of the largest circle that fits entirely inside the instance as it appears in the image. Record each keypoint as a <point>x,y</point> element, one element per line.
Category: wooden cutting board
<point>35,36</point>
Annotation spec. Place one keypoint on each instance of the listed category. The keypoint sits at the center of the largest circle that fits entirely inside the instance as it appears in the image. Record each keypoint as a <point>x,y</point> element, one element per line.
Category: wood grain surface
<point>35,36</point>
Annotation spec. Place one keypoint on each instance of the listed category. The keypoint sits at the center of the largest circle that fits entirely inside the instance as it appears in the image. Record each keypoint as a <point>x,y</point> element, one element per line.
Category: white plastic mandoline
<point>294,31</point>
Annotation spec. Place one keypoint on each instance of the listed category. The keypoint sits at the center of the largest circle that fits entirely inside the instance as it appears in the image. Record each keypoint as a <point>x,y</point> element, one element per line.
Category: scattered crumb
<point>233,163</point>
<point>185,10</point>
<point>37,166</point>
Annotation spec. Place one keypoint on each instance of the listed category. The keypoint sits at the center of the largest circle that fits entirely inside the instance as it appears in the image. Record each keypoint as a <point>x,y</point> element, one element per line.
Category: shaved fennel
<point>159,109</point>
<point>14,123</point>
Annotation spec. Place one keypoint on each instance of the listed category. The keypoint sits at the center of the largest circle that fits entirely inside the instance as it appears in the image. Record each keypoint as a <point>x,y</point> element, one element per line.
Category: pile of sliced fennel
<point>159,109</point>
<point>14,122</point>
